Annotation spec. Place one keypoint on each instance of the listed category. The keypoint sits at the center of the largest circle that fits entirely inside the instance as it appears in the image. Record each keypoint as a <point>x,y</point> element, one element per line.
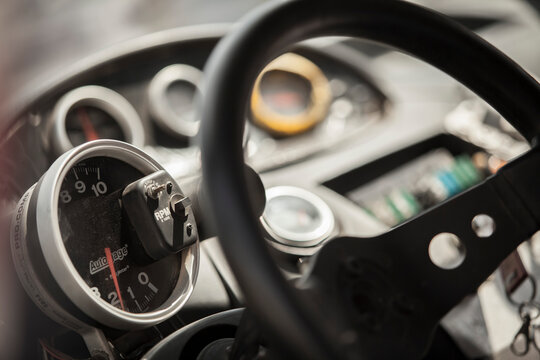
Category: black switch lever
<point>180,206</point>
<point>160,214</point>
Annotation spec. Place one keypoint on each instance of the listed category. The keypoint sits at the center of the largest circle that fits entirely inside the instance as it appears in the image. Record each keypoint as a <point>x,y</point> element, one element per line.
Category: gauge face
<point>96,236</point>
<point>293,214</point>
<point>90,113</point>
<point>180,98</point>
<point>297,217</point>
<point>87,123</point>
<point>291,96</point>
<point>285,93</point>
<point>171,95</point>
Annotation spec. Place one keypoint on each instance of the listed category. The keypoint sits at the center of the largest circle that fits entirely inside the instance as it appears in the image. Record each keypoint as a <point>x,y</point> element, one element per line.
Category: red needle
<point>113,274</point>
<point>89,131</point>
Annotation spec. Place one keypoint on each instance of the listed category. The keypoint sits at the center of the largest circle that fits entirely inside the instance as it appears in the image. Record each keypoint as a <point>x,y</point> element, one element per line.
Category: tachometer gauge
<point>297,217</point>
<point>90,218</point>
<point>91,113</point>
<point>291,96</point>
<point>75,240</point>
<point>171,95</point>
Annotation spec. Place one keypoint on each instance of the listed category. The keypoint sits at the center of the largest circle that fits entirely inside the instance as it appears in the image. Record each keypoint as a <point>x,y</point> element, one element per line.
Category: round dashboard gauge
<point>73,244</point>
<point>297,217</point>
<point>171,95</point>
<point>290,96</point>
<point>90,113</point>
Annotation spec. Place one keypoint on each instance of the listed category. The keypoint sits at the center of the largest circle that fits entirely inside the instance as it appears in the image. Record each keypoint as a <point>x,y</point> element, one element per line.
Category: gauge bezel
<point>308,239</point>
<point>160,110</point>
<point>59,262</point>
<point>320,97</point>
<point>102,98</point>
<point>29,272</point>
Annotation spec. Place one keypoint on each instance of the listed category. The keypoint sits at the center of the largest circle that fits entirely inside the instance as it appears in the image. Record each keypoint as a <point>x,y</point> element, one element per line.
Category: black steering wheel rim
<point>232,69</point>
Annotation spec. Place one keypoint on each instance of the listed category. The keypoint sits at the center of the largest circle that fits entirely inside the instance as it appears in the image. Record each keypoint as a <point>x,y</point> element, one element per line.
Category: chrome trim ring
<point>165,117</point>
<point>102,98</point>
<point>28,273</point>
<point>295,239</point>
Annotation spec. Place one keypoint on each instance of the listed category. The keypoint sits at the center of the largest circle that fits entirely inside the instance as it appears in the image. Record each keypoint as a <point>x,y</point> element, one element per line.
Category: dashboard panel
<point>119,98</point>
<point>121,83</point>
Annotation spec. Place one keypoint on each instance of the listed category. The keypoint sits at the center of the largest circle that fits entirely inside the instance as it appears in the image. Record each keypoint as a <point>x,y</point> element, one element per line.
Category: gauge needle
<point>89,131</point>
<point>110,261</point>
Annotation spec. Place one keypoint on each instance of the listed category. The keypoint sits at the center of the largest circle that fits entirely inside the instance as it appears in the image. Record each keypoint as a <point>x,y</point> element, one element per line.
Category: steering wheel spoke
<point>394,284</point>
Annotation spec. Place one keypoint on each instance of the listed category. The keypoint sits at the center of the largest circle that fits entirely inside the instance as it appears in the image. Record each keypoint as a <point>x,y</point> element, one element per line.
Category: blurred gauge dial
<point>86,123</point>
<point>91,113</point>
<point>171,99</point>
<point>291,95</point>
<point>297,217</point>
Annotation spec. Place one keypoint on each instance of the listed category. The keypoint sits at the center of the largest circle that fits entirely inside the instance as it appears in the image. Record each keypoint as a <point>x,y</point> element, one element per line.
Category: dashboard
<point>347,137</point>
<point>349,101</point>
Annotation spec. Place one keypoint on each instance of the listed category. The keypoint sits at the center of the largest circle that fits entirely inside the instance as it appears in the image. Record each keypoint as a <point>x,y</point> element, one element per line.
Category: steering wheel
<point>380,297</point>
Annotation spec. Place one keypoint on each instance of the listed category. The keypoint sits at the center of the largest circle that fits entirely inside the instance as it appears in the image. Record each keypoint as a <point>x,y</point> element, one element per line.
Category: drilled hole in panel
<point>483,225</point>
<point>446,251</point>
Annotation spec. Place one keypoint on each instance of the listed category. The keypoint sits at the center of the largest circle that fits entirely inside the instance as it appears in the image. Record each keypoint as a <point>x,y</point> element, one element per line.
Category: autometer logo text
<point>101,263</point>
